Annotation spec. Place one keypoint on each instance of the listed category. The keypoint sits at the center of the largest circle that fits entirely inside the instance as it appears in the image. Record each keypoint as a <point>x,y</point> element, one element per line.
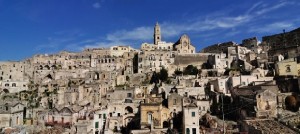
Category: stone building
<point>289,67</point>
<point>220,85</point>
<point>285,43</point>
<point>100,118</point>
<point>190,119</point>
<point>257,100</point>
<point>106,90</point>
<point>11,114</point>
<point>184,45</point>
<point>250,42</point>
<point>162,54</point>
<point>219,61</point>
<point>158,44</point>
<point>218,48</point>
<point>150,61</point>
<point>13,76</point>
<point>183,60</point>
<point>61,116</point>
<point>157,33</point>
<point>153,114</point>
<point>174,101</point>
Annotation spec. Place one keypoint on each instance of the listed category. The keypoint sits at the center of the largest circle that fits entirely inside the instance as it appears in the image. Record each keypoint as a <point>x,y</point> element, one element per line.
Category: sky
<point>29,27</point>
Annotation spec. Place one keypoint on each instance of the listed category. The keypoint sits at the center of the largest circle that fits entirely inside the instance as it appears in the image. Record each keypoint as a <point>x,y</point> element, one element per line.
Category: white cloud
<point>273,27</point>
<point>139,33</point>
<point>175,29</point>
<point>97,5</point>
<point>209,23</point>
<point>258,4</point>
<point>54,43</point>
<point>104,44</point>
<point>92,43</point>
<point>267,8</point>
<point>207,26</point>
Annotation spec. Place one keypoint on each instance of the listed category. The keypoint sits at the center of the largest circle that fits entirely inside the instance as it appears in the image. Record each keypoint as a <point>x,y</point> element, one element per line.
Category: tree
<point>177,72</point>
<point>212,73</point>
<point>190,70</point>
<point>154,78</point>
<point>163,74</point>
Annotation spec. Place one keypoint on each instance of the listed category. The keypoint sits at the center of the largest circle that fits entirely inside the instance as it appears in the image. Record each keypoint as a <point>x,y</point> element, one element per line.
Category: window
<point>149,118</point>
<point>194,131</point>
<point>100,116</point>
<point>104,116</point>
<point>288,68</point>
<point>187,131</point>
<point>193,114</point>
<point>14,85</point>
<point>175,101</point>
<point>96,124</point>
<point>129,95</point>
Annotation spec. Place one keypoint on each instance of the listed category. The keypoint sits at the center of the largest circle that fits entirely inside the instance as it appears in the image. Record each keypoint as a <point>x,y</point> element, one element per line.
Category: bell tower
<point>157,35</point>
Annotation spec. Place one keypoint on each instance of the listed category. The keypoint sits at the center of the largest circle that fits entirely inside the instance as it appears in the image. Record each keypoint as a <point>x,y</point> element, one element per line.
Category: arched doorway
<point>291,103</point>
<point>166,124</point>
<point>5,90</point>
<point>129,109</point>
<point>47,67</point>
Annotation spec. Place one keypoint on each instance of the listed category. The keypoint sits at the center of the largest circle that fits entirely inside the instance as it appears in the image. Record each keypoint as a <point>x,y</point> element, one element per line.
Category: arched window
<point>187,131</point>
<point>14,85</point>
<point>149,118</point>
<point>6,107</point>
<point>129,109</point>
<point>288,68</point>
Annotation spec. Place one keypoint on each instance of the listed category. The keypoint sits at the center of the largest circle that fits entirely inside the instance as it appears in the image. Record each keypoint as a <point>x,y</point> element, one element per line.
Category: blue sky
<point>29,27</point>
